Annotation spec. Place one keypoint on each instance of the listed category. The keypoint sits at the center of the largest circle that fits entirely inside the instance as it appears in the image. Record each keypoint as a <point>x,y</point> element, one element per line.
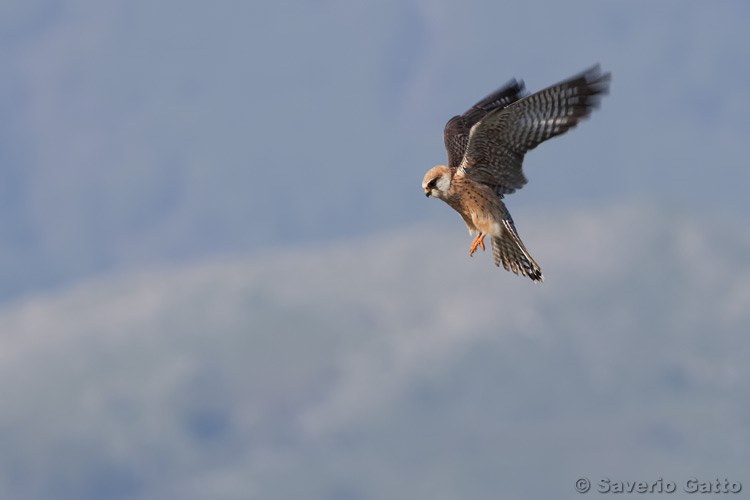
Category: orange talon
<point>478,241</point>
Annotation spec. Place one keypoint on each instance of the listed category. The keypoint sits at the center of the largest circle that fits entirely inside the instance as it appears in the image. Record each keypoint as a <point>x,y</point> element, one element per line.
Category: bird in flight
<point>486,146</point>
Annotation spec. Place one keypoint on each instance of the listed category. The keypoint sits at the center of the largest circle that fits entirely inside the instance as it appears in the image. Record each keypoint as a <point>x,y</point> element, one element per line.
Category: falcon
<point>486,146</point>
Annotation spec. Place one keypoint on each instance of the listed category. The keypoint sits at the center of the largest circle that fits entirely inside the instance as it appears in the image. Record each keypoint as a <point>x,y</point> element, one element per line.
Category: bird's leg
<point>478,241</point>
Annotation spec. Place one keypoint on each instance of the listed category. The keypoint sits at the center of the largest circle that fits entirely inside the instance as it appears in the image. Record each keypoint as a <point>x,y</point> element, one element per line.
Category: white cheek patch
<point>443,183</point>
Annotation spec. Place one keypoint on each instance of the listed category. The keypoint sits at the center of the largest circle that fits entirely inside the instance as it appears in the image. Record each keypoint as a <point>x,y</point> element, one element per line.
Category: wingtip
<point>596,80</point>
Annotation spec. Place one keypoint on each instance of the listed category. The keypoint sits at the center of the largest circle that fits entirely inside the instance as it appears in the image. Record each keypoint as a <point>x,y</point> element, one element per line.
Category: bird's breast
<point>476,203</point>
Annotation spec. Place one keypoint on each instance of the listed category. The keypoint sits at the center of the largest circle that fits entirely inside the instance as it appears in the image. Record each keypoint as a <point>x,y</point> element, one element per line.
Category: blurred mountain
<point>391,366</point>
<point>142,133</point>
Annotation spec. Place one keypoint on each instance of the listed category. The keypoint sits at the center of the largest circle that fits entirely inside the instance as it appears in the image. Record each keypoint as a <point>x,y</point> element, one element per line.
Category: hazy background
<point>219,277</point>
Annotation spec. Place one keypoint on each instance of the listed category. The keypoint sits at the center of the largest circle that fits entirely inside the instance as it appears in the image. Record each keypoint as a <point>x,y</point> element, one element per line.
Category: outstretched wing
<point>456,133</point>
<point>498,142</point>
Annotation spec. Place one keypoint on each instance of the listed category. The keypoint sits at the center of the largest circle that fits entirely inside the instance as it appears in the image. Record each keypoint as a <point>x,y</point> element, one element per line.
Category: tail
<point>508,248</point>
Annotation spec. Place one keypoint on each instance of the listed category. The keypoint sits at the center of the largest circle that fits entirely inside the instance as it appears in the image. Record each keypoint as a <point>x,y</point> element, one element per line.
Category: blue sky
<point>139,134</point>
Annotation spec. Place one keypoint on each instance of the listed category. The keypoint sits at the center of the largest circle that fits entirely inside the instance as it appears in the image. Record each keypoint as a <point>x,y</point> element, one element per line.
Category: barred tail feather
<point>508,249</point>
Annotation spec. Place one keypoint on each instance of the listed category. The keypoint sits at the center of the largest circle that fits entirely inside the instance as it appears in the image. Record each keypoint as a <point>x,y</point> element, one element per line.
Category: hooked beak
<point>427,192</point>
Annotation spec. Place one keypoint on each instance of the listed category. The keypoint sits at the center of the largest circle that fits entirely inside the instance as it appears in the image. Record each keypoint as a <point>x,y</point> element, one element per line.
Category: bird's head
<point>437,181</point>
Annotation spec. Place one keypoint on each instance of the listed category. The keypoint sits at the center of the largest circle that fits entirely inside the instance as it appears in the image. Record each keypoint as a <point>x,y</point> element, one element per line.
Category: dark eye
<point>431,184</point>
